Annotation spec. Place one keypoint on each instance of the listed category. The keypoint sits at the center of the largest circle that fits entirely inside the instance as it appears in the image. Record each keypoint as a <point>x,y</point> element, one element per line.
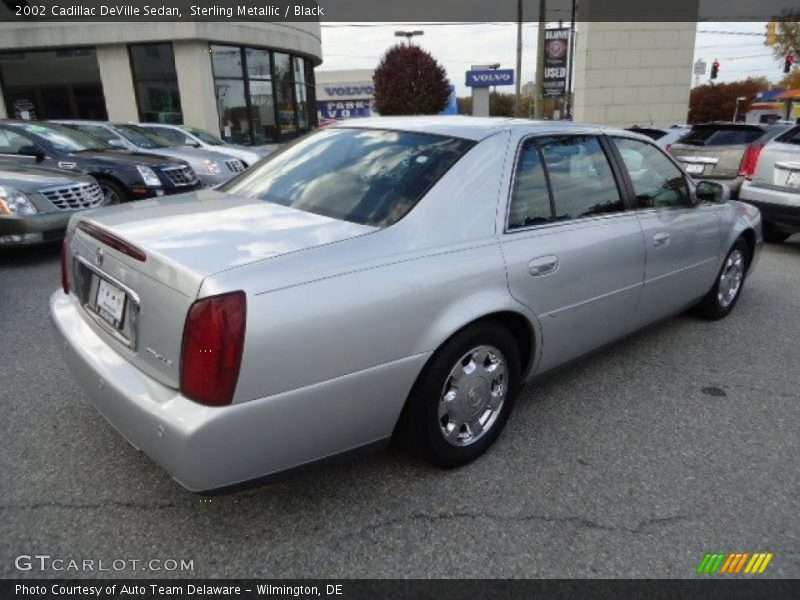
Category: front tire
<point>721,299</point>
<point>113,192</point>
<point>464,397</point>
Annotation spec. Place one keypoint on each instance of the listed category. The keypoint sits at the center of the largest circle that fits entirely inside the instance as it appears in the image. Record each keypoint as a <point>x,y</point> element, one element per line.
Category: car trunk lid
<point>137,268</point>
<point>714,151</point>
<point>779,167</point>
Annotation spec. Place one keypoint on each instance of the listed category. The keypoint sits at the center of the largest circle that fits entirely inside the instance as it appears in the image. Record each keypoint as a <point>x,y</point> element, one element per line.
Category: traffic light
<point>714,69</point>
<point>787,64</point>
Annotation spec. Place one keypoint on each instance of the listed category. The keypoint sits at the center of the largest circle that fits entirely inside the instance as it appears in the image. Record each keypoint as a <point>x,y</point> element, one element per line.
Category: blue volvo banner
<point>490,77</point>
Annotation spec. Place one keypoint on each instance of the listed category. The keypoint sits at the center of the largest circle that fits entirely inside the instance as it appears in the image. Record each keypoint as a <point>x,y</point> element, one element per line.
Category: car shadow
<point>29,256</point>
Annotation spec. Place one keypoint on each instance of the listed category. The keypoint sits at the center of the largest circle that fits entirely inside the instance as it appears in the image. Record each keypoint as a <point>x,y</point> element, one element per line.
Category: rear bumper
<point>205,448</point>
<point>778,207</point>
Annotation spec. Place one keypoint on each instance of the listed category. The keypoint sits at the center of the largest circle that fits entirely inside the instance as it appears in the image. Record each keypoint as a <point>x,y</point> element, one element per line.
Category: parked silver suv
<point>773,184</point>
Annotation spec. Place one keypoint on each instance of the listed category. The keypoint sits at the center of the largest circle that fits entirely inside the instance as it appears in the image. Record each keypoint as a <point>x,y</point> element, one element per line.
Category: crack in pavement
<point>642,527</point>
<point>93,506</point>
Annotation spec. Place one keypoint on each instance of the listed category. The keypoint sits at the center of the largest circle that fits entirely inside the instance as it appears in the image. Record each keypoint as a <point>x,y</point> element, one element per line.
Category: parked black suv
<point>122,175</point>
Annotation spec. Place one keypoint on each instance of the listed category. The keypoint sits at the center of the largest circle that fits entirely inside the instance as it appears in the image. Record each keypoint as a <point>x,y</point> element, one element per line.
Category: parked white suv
<point>772,183</point>
<point>186,135</point>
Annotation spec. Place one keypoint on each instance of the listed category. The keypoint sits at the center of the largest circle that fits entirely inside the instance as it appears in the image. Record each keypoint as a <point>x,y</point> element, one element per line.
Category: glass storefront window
<point>258,64</point>
<point>283,66</point>
<point>52,84</point>
<point>302,106</point>
<point>286,110</point>
<point>263,104</point>
<point>254,107</point>
<point>156,83</point>
<point>226,61</point>
<point>233,113</point>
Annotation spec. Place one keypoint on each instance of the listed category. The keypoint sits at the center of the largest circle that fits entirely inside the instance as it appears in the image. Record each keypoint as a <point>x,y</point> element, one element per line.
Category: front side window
<point>657,182</point>
<point>371,177</point>
<point>142,138</point>
<point>12,143</point>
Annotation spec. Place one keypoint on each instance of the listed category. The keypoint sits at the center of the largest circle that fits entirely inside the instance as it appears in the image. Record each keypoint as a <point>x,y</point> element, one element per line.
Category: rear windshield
<point>653,134</point>
<point>791,137</point>
<point>366,176</point>
<point>721,136</point>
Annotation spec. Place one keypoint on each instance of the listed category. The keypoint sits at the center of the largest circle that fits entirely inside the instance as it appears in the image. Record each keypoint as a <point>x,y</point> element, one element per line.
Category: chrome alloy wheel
<point>730,280</point>
<point>473,395</point>
<point>110,195</point>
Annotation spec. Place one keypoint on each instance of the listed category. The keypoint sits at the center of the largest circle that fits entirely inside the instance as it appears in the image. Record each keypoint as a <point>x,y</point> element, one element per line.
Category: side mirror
<point>711,191</point>
<point>191,142</point>
<point>31,151</point>
<point>117,143</point>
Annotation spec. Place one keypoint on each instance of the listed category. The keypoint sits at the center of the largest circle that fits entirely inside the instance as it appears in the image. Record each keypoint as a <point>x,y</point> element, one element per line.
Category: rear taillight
<point>64,278</point>
<point>747,168</point>
<point>213,340</point>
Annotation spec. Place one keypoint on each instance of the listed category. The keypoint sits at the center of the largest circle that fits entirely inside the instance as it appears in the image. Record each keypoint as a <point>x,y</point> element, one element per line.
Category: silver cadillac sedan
<point>390,275</point>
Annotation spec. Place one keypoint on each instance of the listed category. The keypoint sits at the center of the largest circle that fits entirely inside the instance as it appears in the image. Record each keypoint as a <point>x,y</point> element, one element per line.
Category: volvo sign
<point>490,77</point>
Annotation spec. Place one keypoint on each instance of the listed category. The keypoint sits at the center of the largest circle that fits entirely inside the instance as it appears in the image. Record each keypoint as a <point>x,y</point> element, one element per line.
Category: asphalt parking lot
<point>635,462</point>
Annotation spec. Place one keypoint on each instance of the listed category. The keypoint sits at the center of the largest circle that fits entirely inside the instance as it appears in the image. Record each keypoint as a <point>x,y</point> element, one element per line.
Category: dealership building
<point>252,82</point>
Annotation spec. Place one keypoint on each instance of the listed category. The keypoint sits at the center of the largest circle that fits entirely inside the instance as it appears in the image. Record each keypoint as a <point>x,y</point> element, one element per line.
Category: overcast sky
<point>740,49</point>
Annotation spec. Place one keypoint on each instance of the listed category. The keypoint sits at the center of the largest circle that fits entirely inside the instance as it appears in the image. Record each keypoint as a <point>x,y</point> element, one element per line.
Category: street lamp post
<point>408,34</point>
<point>736,110</point>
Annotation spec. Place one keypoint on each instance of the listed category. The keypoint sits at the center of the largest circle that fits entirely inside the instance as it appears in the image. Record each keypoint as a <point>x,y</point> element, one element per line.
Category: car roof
<point>473,128</point>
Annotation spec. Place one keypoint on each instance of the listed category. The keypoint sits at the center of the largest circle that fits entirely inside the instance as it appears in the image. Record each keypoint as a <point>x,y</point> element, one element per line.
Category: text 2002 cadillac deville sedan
<point>396,269</point>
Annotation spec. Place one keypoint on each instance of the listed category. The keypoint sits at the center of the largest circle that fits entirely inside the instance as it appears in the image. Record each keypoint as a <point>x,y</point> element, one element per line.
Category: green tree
<point>791,81</point>
<point>409,81</point>
<point>787,36</point>
<point>717,102</point>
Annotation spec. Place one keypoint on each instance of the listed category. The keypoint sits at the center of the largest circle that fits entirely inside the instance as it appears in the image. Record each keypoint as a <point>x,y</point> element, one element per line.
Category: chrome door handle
<point>660,240</point>
<point>543,265</point>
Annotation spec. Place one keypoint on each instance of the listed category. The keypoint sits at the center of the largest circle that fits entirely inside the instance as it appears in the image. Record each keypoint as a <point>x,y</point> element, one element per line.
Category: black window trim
<point>535,137</point>
<point>631,203</point>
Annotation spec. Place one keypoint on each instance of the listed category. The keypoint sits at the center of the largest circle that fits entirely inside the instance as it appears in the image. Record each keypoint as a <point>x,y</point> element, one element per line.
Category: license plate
<point>694,169</point>
<point>793,180</point>
<point>110,303</point>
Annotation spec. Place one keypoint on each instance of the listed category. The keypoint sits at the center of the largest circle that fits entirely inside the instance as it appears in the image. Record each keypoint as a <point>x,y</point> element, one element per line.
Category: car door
<point>682,238</point>
<point>574,252</point>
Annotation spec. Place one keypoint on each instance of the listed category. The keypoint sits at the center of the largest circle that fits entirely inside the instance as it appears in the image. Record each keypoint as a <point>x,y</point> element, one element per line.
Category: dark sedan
<point>36,204</point>
<point>121,174</point>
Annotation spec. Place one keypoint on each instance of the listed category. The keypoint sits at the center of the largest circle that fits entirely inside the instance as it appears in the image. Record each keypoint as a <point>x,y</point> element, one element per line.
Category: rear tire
<point>463,398</point>
<point>774,236</point>
<point>721,299</point>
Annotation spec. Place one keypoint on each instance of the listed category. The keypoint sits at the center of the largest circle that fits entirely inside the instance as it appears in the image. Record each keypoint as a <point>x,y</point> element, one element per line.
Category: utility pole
<point>570,58</point>
<point>539,108</point>
<point>517,100</point>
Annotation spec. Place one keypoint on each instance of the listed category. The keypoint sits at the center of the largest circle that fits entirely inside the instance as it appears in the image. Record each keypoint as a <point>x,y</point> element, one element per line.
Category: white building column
<point>196,84</point>
<point>628,73</point>
<point>115,74</point>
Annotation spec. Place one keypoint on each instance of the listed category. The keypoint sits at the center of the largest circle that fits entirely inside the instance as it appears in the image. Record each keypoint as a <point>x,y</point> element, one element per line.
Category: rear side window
<point>11,143</point>
<point>530,198</point>
<point>721,136</point>
<point>562,178</point>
